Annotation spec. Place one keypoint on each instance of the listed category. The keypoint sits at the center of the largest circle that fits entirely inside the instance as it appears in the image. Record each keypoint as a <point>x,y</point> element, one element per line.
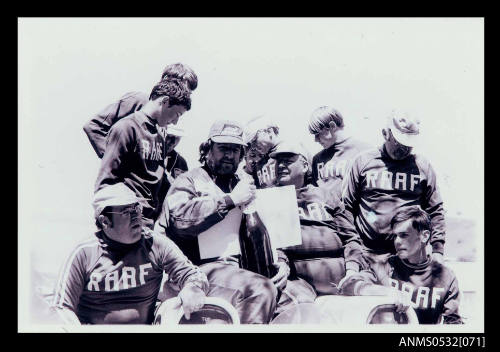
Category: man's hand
<point>244,192</point>
<point>401,300</point>
<point>192,299</point>
<point>438,257</point>
<point>348,273</point>
<point>279,280</point>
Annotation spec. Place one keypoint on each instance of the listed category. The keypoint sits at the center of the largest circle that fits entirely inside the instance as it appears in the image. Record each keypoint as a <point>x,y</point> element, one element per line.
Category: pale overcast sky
<point>71,68</point>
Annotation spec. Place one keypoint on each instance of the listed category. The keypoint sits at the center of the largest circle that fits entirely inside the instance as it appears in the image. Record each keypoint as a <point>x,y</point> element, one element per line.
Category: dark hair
<point>321,118</point>
<point>420,219</point>
<point>205,147</point>
<point>182,72</point>
<point>175,90</point>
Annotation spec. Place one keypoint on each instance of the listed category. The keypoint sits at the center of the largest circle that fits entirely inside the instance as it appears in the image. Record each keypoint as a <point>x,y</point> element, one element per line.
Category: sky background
<point>71,68</point>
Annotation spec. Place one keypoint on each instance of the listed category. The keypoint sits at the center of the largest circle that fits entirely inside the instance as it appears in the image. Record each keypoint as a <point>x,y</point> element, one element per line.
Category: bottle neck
<point>250,208</point>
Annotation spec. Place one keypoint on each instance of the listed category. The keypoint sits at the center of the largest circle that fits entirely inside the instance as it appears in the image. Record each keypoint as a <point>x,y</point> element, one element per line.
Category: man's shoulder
<point>442,271</point>
<point>138,98</point>
<point>358,144</point>
<point>85,248</point>
<point>367,155</point>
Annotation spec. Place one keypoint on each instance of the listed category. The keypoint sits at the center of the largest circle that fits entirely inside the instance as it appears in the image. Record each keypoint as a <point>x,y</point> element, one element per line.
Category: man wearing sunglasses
<point>115,277</point>
<point>330,165</point>
<point>387,180</point>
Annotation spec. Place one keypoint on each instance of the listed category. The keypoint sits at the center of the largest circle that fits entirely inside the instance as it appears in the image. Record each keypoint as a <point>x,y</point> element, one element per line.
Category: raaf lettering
<point>391,181</point>
<point>130,277</point>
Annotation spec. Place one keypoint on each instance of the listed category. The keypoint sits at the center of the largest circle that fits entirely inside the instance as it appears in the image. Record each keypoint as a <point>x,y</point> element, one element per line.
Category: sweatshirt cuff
<point>352,266</point>
<point>438,247</point>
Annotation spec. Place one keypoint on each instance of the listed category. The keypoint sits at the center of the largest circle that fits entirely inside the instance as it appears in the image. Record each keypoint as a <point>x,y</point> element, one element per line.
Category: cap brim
<point>227,139</point>
<point>409,140</point>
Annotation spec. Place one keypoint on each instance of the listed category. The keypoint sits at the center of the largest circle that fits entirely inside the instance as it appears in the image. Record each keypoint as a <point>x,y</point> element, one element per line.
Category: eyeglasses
<point>133,210</point>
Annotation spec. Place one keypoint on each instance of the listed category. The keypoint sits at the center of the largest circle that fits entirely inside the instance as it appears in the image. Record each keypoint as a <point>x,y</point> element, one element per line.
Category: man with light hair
<point>115,277</point>
<point>330,165</point>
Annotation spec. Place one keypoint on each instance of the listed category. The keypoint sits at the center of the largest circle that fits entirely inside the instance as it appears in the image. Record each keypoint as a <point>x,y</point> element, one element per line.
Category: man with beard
<point>330,244</point>
<point>115,277</point>
<point>202,197</point>
<point>387,180</point>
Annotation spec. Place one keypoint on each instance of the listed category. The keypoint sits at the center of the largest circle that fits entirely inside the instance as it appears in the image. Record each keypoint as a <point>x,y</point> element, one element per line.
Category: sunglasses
<point>133,210</point>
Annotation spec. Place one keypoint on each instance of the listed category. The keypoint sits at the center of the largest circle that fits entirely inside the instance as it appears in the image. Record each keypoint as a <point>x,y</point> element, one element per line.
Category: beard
<point>222,167</point>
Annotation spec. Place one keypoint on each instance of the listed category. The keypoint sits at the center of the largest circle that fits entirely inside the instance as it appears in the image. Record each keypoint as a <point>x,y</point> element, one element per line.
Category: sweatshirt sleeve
<point>120,142</point>
<point>347,234</point>
<point>192,213</point>
<point>451,305</point>
<point>98,127</point>
<point>71,281</point>
<point>351,191</point>
<point>433,205</point>
<point>179,268</point>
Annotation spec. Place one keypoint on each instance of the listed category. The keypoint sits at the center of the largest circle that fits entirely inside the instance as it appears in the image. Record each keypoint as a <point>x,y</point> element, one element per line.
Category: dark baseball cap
<point>225,131</point>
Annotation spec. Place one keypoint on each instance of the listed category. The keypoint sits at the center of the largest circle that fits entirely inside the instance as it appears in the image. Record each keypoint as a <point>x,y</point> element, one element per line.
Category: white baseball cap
<point>404,127</point>
<point>113,195</point>
<point>292,148</point>
<point>175,131</point>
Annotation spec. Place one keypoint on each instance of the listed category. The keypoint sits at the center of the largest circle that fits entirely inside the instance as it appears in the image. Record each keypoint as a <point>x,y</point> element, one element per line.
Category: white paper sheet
<point>221,240</point>
<point>277,207</point>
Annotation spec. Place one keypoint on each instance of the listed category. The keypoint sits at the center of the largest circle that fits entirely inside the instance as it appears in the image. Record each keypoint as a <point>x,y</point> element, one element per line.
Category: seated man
<point>115,277</point>
<point>201,198</point>
<point>327,236</point>
<point>431,286</point>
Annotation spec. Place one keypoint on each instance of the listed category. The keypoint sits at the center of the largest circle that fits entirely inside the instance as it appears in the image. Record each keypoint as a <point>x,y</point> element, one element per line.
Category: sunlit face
<point>223,158</point>
<point>290,169</point>
<point>408,241</point>
<point>325,137</point>
<point>125,223</point>
<point>171,142</point>
<point>396,150</point>
<point>253,157</point>
<point>170,114</point>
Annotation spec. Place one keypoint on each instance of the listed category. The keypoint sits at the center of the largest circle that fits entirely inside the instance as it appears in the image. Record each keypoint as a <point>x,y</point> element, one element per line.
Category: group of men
<point>368,215</point>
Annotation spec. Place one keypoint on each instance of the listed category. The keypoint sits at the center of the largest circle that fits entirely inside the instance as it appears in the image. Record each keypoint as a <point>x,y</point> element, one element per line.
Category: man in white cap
<point>330,244</point>
<point>387,180</point>
<point>203,197</point>
<point>115,277</point>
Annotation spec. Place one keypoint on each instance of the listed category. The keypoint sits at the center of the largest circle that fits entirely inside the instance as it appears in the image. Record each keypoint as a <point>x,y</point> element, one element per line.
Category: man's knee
<point>262,287</point>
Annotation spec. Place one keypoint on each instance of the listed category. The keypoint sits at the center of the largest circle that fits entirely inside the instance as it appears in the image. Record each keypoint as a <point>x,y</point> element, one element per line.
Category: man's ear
<point>166,101</point>
<point>333,125</point>
<point>105,222</point>
<point>424,236</point>
<point>385,133</point>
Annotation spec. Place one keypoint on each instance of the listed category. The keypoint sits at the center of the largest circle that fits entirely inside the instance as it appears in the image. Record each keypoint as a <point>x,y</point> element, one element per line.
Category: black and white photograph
<point>251,174</point>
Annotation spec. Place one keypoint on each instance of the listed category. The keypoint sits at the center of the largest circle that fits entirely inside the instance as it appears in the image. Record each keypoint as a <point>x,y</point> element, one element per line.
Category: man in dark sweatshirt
<point>98,127</point>
<point>330,165</point>
<point>389,179</point>
<point>135,149</point>
<point>430,287</point>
